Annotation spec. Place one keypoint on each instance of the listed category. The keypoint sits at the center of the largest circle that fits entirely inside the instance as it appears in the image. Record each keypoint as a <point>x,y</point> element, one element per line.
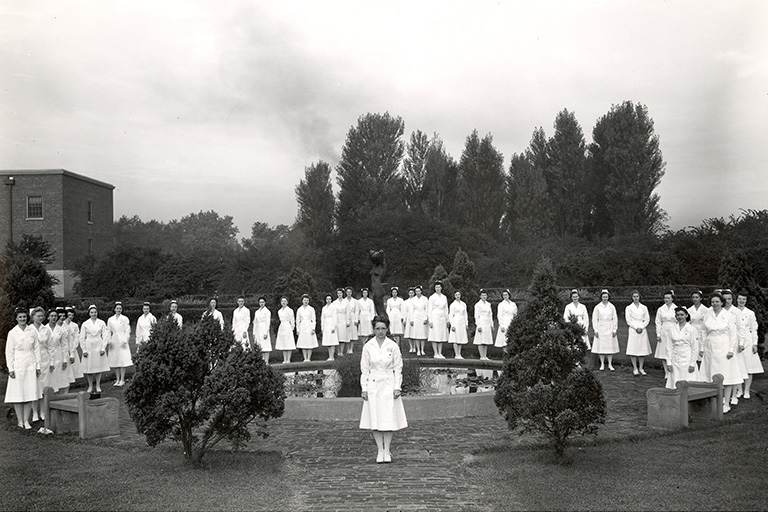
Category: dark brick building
<point>73,213</point>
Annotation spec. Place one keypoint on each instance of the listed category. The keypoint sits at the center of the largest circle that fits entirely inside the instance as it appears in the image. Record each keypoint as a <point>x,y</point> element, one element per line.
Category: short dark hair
<point>380,319</point>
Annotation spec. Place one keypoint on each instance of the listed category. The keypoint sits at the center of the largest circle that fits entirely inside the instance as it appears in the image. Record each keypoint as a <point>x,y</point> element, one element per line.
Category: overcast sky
<point>189,106</point>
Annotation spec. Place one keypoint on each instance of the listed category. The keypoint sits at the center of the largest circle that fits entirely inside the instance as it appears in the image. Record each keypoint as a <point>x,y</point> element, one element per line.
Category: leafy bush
<point>198,386</point>
<point>411,375</point>
<point>349,372</point>
<point>545,386</point>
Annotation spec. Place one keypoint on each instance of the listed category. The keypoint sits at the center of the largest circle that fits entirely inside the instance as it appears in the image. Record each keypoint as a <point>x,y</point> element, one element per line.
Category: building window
<point>90,212</point>
<point>34,207</point>
<point>90,246</point>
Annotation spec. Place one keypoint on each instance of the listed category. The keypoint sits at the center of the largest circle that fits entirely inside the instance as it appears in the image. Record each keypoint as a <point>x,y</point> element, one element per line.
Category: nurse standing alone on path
<point>22,354</point>
<point>381,378</point>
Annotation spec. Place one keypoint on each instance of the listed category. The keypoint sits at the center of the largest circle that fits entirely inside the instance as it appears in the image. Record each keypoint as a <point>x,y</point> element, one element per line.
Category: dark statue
<point>377,277</point>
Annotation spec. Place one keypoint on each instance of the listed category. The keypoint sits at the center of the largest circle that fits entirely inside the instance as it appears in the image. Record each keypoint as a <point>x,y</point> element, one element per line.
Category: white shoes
<point>387,457</point>
<point>734,401</point>
<point>642,372</point>
<point>439,356</point>
<point>380,458</point>
<point>739,393</point>
<point>726,408</point>
<point>746,396</point>
<point>458,357</point>
<point>635,372</point>
<point>611,368</point>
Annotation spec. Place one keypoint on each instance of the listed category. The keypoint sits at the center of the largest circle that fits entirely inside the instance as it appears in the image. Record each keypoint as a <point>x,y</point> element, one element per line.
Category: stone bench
<point>74,412</point>
<point>689,401</point>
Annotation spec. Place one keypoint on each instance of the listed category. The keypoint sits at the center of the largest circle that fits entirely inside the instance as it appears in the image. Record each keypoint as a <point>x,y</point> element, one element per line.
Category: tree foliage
<point>199,387</point>
<point>626,168</point>
<point>24,282</point>
<point>737,274</point>
<point>482,184</point>
<point>368,172</point>
<point>314,194</point>
<point>545,386</point>
<point>527,213</point>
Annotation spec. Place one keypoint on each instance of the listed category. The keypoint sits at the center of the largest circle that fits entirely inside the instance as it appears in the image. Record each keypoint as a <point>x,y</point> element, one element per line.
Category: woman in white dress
<point>173,313</point>
<point>505,313</point>
<point>578,311</point>
<point>47,354</point>
<point>241,321</point>
<point>720,345</point>
<point>60,344</point>
<point>305,328</point>
<point>213,312</point>
<point>119,351</point>
<point>419,320</point>
<point>638,344</point>
<point>144,325</point>
<point>457,320</point>
<point>697,312</point>
<point>381,378</point>
<point>342,321</point>
<point>605,323</point>
<point>665,318</point>
<point>353,313</point>
<point>408,320</point>
<point>22,355</point>
<point>682,349</point>
<point>93,340</point>
<point>437,312</point>
<point>367,310</point>
<point>285,341</point>
<point>75,351</point>
<point>483,325</point>
<point>261,324</point>
<point>749,345</point>
<point>396,317</point>
<point>729,306</point>
<point>328,324</point>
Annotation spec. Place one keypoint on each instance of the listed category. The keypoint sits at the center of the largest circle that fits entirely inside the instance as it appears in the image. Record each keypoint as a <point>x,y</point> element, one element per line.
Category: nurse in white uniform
<point>505,313</point>
<point>605,323</point>
<point>213,312</point>
<point>285,341</point>
<point>174,315</point>
<point>396,317</point>
<point>697,312</point>
<point>437,312</point>
<point>638,344</point>
<point>366,312</point>
<point>93,340</point>
<point>381,378</point>
<point>60,345</point>
<point>682,349</point>
<point>119,352</point>
<point>353,314</point>
<point>261,325</point>
<point>457,319</point>
<point>328,325</point>
<point>665,318</point>
<point>305,328</point>
<point>408,320</point>
<point>578,311</point>
<point>749,331</point>
<point>729,306</point>
<point>144,325</point>
<point>22,355</point>
<point>342,321</point>
<point>720,345</point>
<point>483,325</point>
<point>75,351</point>
<point>241,321</point>
<point>419,320</point>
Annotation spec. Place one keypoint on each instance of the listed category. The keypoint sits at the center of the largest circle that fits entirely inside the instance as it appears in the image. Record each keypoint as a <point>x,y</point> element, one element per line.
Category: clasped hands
<point>396,394</point>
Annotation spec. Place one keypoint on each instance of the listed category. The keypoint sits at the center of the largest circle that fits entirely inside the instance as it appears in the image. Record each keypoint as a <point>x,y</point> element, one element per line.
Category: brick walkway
<point>335,461</point>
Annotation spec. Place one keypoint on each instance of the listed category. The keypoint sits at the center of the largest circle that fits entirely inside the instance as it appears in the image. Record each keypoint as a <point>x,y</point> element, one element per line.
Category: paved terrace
<point>334,462</point>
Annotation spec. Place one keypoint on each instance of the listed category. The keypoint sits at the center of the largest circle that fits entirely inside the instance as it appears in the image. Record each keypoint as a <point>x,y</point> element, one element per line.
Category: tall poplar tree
<point>415,171</point>
<point>566,176</point>
<point>626,166</point>
<point>482,184</point>
<point>367,173</point>
<point>441,183</point>
<point>526,211</point>
<point>314,194</point>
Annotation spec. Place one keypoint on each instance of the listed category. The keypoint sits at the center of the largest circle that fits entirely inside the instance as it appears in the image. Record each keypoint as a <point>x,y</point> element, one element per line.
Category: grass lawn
<point>52,473</point>
<point>723,467</point>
